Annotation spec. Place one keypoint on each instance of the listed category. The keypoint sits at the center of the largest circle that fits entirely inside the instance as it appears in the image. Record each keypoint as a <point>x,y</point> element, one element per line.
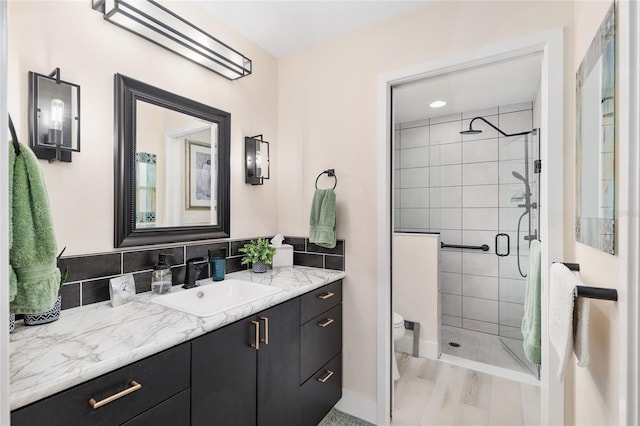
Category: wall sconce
<point>257,160</point>
<point>54,116</point>
<point>159,25</point>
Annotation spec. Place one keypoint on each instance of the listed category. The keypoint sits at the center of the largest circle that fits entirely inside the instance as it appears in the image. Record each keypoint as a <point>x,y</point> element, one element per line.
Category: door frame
<point>550,44</point>
<point>628,220</point>
<point>4,223</point>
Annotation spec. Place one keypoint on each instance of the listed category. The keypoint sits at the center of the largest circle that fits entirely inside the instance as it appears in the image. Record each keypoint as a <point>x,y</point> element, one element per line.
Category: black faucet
<point>194,267</point>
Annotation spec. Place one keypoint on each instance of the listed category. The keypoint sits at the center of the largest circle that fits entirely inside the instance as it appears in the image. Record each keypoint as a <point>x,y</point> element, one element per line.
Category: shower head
<point>470,131</point>
<point>519,176</point>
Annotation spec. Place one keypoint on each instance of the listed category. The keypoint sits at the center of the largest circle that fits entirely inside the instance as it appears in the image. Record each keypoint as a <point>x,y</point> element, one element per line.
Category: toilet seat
<point>398,321</point>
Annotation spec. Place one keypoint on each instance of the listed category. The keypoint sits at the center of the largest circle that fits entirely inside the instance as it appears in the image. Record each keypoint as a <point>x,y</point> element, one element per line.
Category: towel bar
<point>593,292</point>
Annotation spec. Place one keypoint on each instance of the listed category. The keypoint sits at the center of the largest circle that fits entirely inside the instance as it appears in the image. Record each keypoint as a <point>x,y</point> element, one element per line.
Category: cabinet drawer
<point>172,412</point>
<point>320,340</point>
<point>318,396</point>
<point>320,300</point>
<point>160,376</point>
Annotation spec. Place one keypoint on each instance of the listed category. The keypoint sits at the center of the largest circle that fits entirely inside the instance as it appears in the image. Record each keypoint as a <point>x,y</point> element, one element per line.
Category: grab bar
<point>483,247</point>
<point>593,292</point>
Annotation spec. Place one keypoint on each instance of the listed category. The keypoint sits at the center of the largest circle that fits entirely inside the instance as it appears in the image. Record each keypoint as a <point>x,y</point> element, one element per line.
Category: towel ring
<point>330,173</point>
<point>14,137</point>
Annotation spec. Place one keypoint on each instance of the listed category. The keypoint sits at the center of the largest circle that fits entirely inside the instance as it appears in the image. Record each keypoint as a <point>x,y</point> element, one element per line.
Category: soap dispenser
<point>161,277</point>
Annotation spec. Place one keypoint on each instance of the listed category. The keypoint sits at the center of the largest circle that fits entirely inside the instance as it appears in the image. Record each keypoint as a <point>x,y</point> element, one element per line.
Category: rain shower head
<point>472,131</point>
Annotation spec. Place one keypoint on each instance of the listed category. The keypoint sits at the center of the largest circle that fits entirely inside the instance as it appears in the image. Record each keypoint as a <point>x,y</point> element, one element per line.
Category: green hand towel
<point>323,218</point>
<point>531,322</point>
<point>34,277</point>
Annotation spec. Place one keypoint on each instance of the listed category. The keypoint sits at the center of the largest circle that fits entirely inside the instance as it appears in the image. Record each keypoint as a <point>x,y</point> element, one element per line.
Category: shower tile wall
<point>462,187</point>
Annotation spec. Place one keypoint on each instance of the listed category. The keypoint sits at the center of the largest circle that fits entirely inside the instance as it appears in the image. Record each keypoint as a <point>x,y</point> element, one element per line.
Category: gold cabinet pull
<point>326,322</point>
<point>256,344</point>
<point>134,386</point>
<point>326,295</point>
<point>265,340</point>
<point>326,376</point>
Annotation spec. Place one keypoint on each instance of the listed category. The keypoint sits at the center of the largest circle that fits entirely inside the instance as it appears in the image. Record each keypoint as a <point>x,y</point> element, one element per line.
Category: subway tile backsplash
<point>89,275</point>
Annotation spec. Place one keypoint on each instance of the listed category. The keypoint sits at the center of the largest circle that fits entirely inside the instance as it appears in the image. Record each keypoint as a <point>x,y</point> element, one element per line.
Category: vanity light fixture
<point>257,160</point>
<point>437,104</point>
<point>54,116</point>
<point>161,26</point>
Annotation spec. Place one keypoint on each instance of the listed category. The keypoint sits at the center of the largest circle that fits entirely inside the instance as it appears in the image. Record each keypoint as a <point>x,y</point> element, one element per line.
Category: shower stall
<point>474,178</point>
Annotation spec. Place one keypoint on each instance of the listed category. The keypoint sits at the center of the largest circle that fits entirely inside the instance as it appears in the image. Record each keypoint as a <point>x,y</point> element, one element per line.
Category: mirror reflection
<point>176,158</point>
<point>595,102</point>
<point>172,167</point>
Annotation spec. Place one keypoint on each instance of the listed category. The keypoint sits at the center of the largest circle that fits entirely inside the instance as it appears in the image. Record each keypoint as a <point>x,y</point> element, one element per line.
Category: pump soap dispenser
<point>161,277</point>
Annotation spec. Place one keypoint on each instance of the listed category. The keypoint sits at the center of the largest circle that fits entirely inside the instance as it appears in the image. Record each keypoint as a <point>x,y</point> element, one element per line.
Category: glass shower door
<point>519,219</point>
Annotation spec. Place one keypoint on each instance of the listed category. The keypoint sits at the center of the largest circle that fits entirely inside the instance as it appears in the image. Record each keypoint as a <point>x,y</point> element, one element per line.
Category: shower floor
<point>486,349</point>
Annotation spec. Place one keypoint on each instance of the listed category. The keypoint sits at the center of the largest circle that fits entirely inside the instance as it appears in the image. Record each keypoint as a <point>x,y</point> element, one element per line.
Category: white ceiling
<point>284,27</point>
<point>502,83</point>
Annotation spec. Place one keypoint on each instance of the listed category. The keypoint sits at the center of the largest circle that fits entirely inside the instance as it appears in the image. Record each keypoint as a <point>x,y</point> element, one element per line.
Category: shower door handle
<point>508,245</point>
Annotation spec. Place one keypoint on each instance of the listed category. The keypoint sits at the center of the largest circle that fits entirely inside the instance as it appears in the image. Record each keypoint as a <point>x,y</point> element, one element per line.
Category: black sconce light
<point>54,116</point>
<point>257,160</point>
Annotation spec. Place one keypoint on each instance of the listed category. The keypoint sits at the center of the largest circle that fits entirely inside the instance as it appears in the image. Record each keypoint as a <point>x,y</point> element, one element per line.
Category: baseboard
<point>426,348</point>
<point>358,405</point>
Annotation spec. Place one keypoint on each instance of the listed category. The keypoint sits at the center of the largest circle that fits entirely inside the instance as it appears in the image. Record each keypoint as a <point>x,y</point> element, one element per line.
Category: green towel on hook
<point>34,278</point>
<point>323,218</point>
<point>531,322</point>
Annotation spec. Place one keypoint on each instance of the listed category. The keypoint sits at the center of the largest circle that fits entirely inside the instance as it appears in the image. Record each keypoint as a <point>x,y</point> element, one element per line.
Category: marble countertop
<point>92,340</point>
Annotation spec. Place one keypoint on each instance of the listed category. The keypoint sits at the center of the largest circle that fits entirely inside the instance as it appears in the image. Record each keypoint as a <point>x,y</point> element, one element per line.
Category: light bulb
<point>56,114</point>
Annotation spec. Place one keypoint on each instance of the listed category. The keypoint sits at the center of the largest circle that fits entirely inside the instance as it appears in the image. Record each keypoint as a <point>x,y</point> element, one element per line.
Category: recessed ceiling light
<point>437,104</point>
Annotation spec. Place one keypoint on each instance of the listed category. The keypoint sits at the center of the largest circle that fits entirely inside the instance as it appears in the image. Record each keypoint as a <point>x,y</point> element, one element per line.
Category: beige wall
<point>89,51</point>
<point>592,392</point>
<point>327,106</point>
<point>319,107</point>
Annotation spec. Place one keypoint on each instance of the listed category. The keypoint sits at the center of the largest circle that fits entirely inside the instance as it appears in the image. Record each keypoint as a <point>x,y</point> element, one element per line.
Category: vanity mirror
<point>171,167</point>
<point>595,140</point>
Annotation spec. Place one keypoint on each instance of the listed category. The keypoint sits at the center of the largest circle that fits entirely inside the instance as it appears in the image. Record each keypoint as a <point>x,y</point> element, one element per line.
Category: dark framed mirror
<point>171,167</point>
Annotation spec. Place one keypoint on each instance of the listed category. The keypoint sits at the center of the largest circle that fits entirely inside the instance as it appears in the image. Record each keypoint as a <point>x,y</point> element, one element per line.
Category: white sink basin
<point>214,298</point>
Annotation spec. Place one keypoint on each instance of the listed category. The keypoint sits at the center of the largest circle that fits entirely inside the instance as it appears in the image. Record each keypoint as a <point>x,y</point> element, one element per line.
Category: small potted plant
<point>54,313</point>
<point>259,254</point>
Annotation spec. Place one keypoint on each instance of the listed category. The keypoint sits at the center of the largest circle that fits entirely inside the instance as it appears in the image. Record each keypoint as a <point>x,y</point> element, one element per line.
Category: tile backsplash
<point>89,275</point>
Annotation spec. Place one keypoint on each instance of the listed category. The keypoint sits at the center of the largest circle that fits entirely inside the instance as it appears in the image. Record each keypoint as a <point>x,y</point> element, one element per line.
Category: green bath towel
<point>531,322</point>
<point>34,278</point>
<point>323,218</point>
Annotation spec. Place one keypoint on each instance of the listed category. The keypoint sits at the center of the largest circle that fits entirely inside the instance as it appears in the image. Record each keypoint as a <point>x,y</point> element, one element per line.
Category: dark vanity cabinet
<point>247,373</point>
<point>136,395</point>
<point>320,351</point>
<point>280,367</point>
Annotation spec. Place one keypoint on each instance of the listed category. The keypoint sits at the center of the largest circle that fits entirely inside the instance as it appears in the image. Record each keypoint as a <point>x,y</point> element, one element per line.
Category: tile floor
<point>338,418</point>
<point>486,348</point>
<point>431,392</point>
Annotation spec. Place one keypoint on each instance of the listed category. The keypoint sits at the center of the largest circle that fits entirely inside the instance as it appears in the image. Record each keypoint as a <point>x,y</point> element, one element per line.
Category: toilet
<point>398,333</point>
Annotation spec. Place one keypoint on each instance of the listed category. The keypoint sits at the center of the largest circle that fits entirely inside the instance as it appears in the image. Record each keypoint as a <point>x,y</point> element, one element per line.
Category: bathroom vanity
<point>275,362</point>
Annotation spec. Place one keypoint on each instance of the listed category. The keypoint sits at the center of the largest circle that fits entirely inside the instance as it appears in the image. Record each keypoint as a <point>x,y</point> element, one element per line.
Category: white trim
<point>357,405</point>
<point>4,224</point>
<point>628,92</point>
<point>383,323</point>
<point>550,43</point>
